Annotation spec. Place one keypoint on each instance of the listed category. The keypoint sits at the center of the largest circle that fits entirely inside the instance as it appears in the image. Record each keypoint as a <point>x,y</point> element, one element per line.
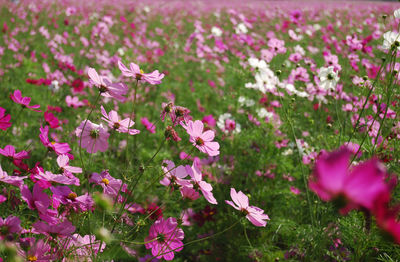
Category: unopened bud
<point>365,78</point>
<point>278,72</point>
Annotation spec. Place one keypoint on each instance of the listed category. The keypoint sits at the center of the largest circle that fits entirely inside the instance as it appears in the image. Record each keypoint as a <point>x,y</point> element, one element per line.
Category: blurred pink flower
<point>94,137</point>
<point>4,119</point>
<point>24,101</point>
<point>149,126</point>
<point>361,186</point>
<point>165,238</point>
<point>9,225</point>
<point>9,151</point>
<point>254,214</point>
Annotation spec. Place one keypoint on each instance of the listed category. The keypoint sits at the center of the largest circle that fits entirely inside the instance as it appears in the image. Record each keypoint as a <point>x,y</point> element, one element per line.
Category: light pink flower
<point>254,214</point>
<point>110,185</point>
<point>9,151</point>
<point>12,180</point>
<point>114,122</point>
<point>152,78</point>
<point>198,183</point>
<point>106,88</point>
<point>165,238</point>
<point>63,163</point>
<point>173,175</point>
<point>73,102</point>
<point>203,141</point>
<point>47,178</point>
<point>94,137</point>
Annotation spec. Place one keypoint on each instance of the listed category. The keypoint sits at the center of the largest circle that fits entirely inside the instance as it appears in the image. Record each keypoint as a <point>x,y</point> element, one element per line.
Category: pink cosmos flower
<point>165,238</point>
<point>9,225</point>
<point>114,122</point>
<point>173,175</point>
<point>94,137</point>
<point>47,178</point>
<point>24,101</point>
<point>64,195</point>
<point>149,126</point>
<point>106,88</point>
<point>63,163</point>
<point>203,141</point>
<point>198,183</point>
<point>254,214</point>
<point>12,180</point>
<point>62,229</point>
<point>84,246</point>
<point>361,186</point>
<point>4,119</point>
<point>110,185</point>
<point>2,199</point>
<point>73,102</point>
<point>51,119</point>
<point>39,251</point>
<point>58,148</point>
<point>153,78</point>
<point>9,151</point>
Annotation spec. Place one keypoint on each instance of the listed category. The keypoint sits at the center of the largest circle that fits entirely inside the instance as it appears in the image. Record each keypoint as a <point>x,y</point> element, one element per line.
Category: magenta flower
<point>12,180</point>
<point>110,185</point>
<point>106,88</point>
<point>173,175</point>
<point>9,151</point>
<point>149,126</point>
<point>198,183</point>
<point>64,195</point>
<point>58,148</point>
<point>10,225</point>
<point>203,141</point>
<point>24,101</point>
<point>254,214</point>
<point>361,186</point>
<point>62,229</point>
<point>39,251</point>
<point>114,122</point>
<point>153,78</point>
<point>47,178</point>
<point>4,119</point>
<point>94,137</point>
<point>165,238</point>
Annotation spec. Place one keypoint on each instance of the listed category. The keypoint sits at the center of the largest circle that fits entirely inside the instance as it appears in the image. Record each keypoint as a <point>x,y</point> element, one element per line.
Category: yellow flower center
<point>105,181</point>
<point>32,258</point>
<point>72,195</point>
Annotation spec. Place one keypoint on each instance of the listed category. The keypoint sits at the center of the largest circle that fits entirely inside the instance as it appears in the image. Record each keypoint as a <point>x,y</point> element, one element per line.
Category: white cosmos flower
<point>389,38</point>
<point>241,29</point>
<point>328,78</point>
<point>397,13</point>
<point>216,31</point>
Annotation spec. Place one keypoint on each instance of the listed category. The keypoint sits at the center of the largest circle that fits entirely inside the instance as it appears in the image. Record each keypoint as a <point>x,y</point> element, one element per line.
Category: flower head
<point>328,78</point>
<point>203,141</point>
<point>165,238</point>
<point>114,122</point>
<point>254,214</point>
<point>106,88</point>
<point>94,137</point>
<point>23,101</point>
<point>153,78</point>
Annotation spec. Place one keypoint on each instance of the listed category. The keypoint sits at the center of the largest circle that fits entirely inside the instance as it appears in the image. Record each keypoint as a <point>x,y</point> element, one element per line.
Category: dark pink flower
<point>165,238</point>
<point>24,101</point>
<point>361,186</point>
<point>110,185</point>
<point>149,126</point>
<point>9,225</point>
<point>64,195</point>
<point>254,214</point>
<point>63,229</point>
<point>58,148</point>
<point>47,178</point>
<point>51,119</point>
<point>153,78</point>
<point>38,251</point>
<point>4,119</point>
<point>106,88</point>
<point>203,141</point>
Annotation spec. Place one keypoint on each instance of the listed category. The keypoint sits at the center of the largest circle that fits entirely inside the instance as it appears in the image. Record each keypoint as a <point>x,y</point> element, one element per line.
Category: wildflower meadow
<point>199,130</point>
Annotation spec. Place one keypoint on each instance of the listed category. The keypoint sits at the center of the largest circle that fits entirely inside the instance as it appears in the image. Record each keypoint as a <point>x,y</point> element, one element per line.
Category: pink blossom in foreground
<point>4,119</point>
<point>63,163</point>
<point>165,238</point>
<point>94,137</point>
<point>361,186</point>
<point>153,78</point>
<point>254,214</point>
<point>9,151</point>
<point>47,178</point>
<point>203,141</point>
<point>64,195</point>
<point>106,88</point>
<point>114,122</point>
<point>12,180</point>
<point>198,183</point>
<point>9,225</point>
<point>39,251</point>
<point>24,101</point>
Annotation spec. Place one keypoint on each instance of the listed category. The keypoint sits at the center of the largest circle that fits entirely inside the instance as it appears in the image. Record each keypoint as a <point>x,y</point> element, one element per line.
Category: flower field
<point>199,130</point>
